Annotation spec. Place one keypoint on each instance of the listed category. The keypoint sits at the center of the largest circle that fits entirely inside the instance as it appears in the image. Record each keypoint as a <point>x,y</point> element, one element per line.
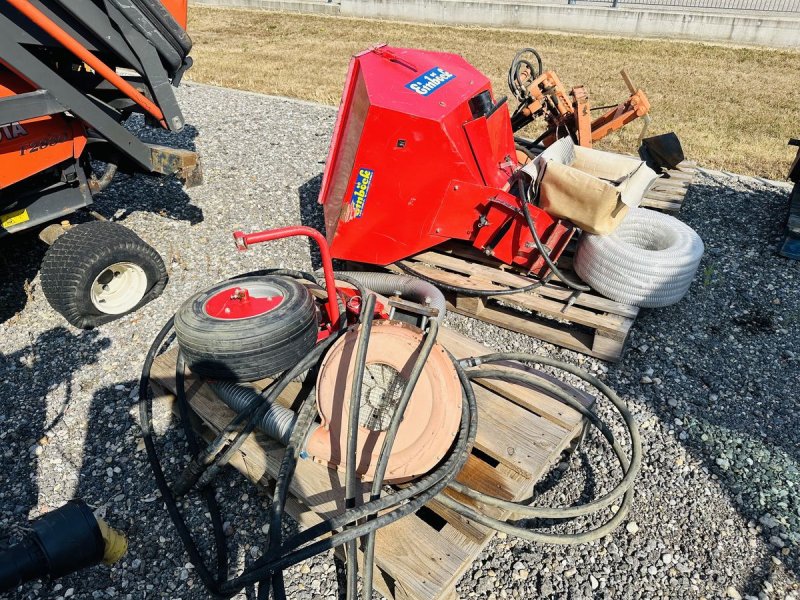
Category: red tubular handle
<point>245,240</point>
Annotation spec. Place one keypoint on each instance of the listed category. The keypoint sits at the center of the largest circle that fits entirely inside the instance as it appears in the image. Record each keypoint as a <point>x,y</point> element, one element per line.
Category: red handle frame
<point>245,240</point>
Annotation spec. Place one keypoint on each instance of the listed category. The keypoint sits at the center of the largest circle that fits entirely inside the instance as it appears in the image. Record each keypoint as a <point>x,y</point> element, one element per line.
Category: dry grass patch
<point>733,108</point>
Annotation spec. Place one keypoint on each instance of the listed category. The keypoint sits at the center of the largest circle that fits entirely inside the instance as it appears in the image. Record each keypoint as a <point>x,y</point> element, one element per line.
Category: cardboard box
<point>591,188</point>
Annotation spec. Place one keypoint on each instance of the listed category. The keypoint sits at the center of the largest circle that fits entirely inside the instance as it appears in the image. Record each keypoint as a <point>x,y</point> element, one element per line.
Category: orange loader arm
<point>571,112</point>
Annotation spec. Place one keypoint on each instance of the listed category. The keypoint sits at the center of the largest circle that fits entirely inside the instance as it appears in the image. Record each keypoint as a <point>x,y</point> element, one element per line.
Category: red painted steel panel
<point>410,166</point>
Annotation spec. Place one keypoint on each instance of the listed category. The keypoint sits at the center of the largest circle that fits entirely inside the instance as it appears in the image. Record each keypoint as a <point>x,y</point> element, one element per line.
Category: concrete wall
<point>311,6</point>
<point>761,29</point>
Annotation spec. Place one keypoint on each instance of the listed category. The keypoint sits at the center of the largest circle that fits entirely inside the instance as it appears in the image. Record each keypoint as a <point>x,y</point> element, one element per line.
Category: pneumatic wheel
<point>247,328</point>
<point>99,271</point>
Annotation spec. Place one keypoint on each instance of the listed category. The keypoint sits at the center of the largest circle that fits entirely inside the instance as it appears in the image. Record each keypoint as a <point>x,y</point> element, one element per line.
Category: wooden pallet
<point>594,325</point>
<point>667,192</point>
<point>521,433</point>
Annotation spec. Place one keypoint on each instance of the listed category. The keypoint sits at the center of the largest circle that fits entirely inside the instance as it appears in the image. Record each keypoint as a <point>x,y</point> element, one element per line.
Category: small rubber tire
<point>250,348</point>
<point>82,255</point>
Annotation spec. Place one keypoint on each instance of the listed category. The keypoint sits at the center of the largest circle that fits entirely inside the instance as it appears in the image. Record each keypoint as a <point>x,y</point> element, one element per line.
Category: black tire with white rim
<point>100,271</point>
<point>247,328</point>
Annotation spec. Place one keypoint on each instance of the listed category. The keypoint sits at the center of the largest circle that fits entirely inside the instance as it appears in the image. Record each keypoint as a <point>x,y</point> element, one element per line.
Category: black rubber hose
<point>469,412</point>
<point>544,253</point>
<point>388,442</point>
<point>197,468</point>
<point>305,420</point>
<point>351,484</point>
<point>146,423</point>
<point>193,441</point>
<point>362,291</point>
<point>418,494</point>
<point>145,413</point>
<point>630,468</point>
<point>532,147</point>
<point>407,500</point>
<point>525,151</point>
<point>514,85</point>
<point>271,393</point>
<point>274,391</point>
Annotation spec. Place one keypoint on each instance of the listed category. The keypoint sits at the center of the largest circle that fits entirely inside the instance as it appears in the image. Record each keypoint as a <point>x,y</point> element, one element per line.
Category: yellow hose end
<point>116,544</point>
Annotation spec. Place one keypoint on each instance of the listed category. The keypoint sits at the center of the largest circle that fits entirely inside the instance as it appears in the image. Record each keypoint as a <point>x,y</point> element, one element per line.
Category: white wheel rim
<point>119,288</point>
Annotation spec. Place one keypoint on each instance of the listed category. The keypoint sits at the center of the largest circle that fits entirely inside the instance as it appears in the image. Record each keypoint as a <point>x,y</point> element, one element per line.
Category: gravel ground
<point>713,382</point>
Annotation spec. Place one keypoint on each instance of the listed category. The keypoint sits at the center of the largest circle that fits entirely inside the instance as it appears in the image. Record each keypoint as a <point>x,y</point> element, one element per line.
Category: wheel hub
<point>242,303</point>
<point>119,288</point>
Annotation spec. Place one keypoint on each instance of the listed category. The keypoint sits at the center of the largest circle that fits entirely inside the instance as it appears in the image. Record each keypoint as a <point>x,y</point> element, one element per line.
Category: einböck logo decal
<point>431,81</point>
<point>360,190</point>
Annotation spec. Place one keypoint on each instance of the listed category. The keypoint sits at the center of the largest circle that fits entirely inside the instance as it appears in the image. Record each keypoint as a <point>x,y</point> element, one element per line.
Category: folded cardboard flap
<point>591,188</point>
<point>590,203</point>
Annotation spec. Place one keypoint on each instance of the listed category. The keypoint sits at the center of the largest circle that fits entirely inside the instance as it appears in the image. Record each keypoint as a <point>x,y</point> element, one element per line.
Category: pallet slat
<point>593,325</point>
<point>667,193</point>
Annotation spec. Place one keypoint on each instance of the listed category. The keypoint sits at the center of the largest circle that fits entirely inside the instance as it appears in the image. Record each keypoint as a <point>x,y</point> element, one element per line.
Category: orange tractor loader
<point>71,73</point>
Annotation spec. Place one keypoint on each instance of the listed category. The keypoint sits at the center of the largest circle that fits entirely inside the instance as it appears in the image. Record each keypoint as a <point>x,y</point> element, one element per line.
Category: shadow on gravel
<point>21,254</point>
<point>116,478</point>
<point>164,196</point>
<point>726,363</point>
<point>26,377</point>
<point>311,214</point>
<point>20,257</point>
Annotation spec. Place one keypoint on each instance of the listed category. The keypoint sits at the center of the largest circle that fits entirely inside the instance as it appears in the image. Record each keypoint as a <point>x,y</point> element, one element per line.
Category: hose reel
<point>430,421</point>
<point>369,387</point>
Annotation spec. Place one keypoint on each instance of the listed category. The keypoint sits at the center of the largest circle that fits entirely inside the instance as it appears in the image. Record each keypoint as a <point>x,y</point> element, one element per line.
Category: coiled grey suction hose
<point>650,260</point>
<point>277,422</point>
<point>406,286</point>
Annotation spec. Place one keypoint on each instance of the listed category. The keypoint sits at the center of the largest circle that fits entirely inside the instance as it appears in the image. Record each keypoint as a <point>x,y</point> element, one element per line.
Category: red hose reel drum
<point>422,153</point>
<point>430,422</point>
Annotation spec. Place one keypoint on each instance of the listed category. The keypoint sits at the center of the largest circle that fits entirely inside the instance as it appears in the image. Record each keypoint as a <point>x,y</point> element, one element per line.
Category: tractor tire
<point>252,342</point>
<point>100,271</point>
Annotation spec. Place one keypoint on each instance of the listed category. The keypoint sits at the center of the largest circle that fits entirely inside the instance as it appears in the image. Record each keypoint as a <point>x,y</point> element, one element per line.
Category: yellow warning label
<point>14,218</point>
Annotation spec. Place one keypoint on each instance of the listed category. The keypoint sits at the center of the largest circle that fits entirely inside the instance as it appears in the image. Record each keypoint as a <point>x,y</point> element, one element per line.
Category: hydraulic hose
<point>514,84</point>
<point>630,467</point>
<point>351,482</point>
<point>388,442</point>
<point>544,252</point>
<point>470,291</point>
<point>267,570</point>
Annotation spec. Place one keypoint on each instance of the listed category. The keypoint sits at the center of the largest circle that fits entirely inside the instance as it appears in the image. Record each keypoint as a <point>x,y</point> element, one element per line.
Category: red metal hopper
<point>422,153</point>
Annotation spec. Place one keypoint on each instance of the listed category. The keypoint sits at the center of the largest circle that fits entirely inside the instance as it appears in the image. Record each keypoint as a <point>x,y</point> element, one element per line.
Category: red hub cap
<point>240,303</point>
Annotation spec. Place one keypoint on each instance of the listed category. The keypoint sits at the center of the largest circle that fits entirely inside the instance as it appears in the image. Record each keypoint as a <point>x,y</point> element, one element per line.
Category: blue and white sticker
<point>431,81</point>
<point>358,200</point>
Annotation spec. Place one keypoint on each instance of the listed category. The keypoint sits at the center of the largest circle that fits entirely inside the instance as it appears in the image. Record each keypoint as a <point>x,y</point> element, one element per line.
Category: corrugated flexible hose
<point>405,286</point>
<point>277,421</point>
<point>650,260</point>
